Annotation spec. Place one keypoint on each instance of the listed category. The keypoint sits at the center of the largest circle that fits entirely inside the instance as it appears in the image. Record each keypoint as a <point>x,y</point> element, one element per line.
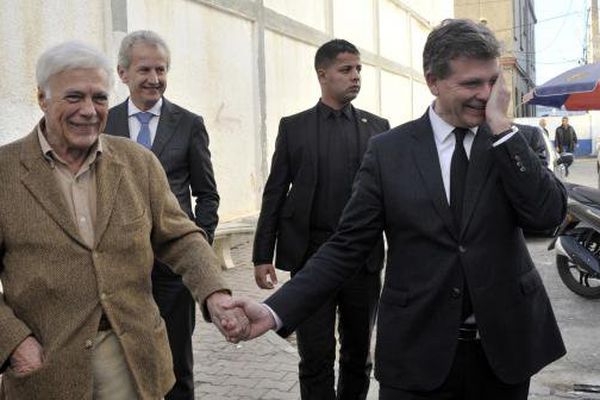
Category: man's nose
<point>485,91</point>
<point>355,74</point>
<point>153,77</point>
<point>88,108</point>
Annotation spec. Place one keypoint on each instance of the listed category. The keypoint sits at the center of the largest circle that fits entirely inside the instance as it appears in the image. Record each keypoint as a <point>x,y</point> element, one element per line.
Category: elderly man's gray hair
<point>67,56</point>
<point>146,37</point>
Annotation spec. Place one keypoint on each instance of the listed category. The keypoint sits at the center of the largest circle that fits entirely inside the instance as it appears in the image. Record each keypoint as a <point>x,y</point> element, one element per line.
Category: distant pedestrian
<point>565,138</point>
<point>542,124</point>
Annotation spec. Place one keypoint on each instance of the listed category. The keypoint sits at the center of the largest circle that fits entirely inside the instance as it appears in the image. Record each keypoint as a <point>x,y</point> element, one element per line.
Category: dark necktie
<point>143,136</point>
<point>458,181</point>
<point>458,175</point>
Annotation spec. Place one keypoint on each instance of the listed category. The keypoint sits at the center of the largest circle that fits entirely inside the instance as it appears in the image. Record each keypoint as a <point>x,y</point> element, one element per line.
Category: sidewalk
<point>265,368</point>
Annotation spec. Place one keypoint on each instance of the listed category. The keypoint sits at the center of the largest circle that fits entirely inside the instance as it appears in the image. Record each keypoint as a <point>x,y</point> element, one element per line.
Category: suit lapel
<point>480,163</point>
<point>118,122</point>
<point>427,161</point>
<point>108,177</point>
<point>364,130</point>
<point>41,183</point>
<point>313,141</point>
<point>169,117</point>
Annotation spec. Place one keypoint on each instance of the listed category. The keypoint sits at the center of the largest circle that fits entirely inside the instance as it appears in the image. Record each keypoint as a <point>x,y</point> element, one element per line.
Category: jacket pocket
<point>530,281</point>
<point>133,224</point>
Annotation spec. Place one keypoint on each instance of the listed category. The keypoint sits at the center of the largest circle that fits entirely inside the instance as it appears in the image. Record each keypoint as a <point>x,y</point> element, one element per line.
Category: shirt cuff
<point>506,135</point>
<point>278,322</point>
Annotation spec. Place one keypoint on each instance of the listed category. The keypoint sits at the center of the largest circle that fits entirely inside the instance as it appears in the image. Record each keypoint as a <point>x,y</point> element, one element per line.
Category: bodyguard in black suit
<point>317,154</point>
<point>463,312</point>
<point>179,139</point>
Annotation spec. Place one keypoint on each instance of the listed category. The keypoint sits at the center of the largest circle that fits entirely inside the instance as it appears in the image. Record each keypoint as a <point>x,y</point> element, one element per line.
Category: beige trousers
<point>112,379</point>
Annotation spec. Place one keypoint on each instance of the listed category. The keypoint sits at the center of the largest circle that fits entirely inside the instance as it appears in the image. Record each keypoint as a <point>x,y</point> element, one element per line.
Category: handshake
<point>239,319</point>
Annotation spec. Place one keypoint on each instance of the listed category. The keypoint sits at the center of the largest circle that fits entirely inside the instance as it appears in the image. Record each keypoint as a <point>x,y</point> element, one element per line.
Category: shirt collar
<point>441,129</point>
<point>327,111</point>
<point>51,156</point>
<point>155,109</point>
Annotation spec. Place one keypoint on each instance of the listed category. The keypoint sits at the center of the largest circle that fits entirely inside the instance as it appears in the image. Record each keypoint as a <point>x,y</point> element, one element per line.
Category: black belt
<point>468,333</point>
<point>104,324</point>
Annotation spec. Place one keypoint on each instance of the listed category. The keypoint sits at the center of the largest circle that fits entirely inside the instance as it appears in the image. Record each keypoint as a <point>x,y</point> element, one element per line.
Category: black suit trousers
<point>356,305</point>
<point>470,378</point>
<point>178,309</point>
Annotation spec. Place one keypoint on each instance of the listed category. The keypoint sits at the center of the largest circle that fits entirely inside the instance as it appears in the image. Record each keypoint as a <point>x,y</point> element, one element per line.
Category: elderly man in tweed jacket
<point>83,216</point>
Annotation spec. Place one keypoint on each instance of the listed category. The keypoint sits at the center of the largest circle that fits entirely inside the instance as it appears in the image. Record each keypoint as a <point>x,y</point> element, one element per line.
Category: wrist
<point>510,131</point>
<point>500,126</point>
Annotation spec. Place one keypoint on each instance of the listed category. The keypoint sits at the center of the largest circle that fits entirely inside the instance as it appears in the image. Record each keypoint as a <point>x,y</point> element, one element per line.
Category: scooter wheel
<point>569,274</point>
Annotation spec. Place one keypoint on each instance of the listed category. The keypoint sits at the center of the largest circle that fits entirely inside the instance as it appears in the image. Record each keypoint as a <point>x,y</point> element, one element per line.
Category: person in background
<point>542,124</point>
<point>180,141</point>
<point>565,140</point>
<point>317,155</point>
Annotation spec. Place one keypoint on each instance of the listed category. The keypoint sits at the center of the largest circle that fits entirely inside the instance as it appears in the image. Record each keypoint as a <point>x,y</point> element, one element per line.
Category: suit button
<point>456,292</point>
<point>462,249</point>
<point>89,344</point>
<point>522,169</point>
<point>517,157</point>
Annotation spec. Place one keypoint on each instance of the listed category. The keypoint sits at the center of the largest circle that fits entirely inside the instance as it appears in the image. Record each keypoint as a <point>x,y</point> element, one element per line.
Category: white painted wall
<point>27,28</point>
<point>309,12</point>
<point>215,70</point>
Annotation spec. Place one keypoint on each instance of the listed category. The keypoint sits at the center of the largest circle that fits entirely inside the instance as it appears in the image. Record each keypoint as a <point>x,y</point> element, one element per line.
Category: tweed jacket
<point>55,286</point>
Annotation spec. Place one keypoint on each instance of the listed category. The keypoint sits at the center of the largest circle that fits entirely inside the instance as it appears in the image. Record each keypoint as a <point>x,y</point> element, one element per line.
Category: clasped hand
<point>239,318</point>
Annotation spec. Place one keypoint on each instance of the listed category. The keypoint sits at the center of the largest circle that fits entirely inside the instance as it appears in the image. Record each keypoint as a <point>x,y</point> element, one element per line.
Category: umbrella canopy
<point>576,89</point>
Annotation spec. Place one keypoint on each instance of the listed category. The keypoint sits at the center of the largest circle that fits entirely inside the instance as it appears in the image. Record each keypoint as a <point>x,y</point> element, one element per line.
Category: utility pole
<point>595,33</point>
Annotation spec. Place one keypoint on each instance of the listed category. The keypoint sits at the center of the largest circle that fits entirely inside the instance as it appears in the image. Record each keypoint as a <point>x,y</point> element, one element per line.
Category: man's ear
<point>321,74</point>
<point>122,72</point>
<point>42,99</point>
<point>432,82</point>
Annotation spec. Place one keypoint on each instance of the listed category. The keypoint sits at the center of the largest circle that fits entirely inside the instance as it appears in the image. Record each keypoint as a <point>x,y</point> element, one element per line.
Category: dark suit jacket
<point>399,190</point>
<point>181,145</point>
<point>285,212</point>
<point>533,137</point>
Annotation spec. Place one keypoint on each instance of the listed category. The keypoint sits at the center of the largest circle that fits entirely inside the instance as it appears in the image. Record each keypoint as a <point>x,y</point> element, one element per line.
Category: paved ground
<point>266,368</point>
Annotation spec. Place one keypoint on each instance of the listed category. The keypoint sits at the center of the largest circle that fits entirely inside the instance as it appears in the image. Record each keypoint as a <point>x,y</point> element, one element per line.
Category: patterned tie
<point>458,181</point>
<point>143,136</point>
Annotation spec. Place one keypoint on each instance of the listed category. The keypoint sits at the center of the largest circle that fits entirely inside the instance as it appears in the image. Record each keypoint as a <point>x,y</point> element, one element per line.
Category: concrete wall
<point>242,64</point>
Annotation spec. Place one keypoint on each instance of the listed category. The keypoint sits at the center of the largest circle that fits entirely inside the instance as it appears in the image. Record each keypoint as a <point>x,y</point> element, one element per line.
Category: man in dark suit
<point>179,139</point>
<point>317,153</point>
<point>463,312</point>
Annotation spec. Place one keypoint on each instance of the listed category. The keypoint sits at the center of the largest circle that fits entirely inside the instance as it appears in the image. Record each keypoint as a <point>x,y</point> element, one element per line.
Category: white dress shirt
<point>134,124</point>
<point>445,141</point>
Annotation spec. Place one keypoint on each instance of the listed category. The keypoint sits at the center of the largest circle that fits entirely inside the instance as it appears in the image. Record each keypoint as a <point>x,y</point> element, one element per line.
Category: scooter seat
<point>586,195</point>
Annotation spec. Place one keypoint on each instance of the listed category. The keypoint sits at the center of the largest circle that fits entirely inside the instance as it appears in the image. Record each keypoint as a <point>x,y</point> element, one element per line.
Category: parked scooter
<point>577,242</point>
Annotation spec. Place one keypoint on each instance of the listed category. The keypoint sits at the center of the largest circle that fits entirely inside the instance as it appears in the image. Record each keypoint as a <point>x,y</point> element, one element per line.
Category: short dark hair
<point>327,53</point>
<point>455,38</point>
